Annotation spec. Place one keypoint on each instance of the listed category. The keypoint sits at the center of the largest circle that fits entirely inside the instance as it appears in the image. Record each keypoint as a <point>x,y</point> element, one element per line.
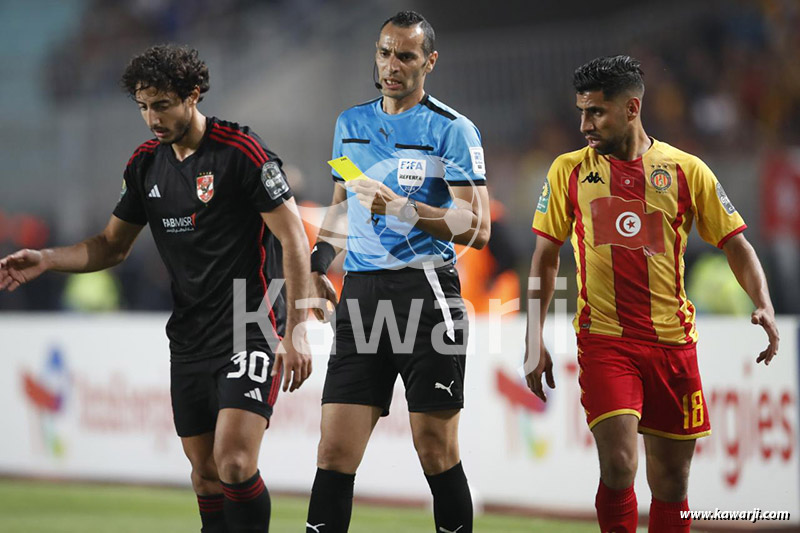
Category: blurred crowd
<point>724,87</point>
<point>735,82</point>
<point>88,63</point>
<point>728,84</point>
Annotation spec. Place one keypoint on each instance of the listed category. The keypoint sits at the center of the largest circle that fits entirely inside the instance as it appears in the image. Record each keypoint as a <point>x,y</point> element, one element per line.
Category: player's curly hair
<point>168,68</point>
<point>406,19</point>
<point>610,74</point>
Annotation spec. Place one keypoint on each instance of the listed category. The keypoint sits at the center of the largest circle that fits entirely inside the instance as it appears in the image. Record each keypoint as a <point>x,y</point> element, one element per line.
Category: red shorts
<point>658,384</point>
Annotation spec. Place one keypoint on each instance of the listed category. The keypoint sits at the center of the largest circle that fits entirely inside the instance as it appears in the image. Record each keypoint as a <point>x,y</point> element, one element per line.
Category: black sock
<point>452,502</point>
<point>331,502</point>
<point>247,506</point>
<point>211,514</point>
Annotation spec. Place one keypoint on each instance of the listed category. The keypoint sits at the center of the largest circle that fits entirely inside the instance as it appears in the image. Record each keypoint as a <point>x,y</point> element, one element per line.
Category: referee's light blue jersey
<point>416,153</point>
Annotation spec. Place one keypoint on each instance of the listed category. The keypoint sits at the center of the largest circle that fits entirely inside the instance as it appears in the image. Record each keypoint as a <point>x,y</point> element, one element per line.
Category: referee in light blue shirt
<point>425,189</point>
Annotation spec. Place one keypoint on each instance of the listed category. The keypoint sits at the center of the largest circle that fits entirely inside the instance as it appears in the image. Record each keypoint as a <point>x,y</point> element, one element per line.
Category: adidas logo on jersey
<point>154,193</point>
<point>255,394</point>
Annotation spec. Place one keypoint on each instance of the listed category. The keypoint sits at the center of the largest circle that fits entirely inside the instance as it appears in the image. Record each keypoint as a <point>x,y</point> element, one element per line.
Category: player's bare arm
<point>99,252</point>
<point>746,267</point>
<point>332,231</point>
<point>544,267</point>
<point>470,212</point>
<point>293,357</point>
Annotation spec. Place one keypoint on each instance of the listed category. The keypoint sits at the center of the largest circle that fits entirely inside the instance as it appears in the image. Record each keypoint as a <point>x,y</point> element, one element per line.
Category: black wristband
<point>322,256</point>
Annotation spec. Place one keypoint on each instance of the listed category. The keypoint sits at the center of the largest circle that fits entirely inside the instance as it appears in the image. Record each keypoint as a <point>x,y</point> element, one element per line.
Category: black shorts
<point>365,362</point>
<point>199,389</point>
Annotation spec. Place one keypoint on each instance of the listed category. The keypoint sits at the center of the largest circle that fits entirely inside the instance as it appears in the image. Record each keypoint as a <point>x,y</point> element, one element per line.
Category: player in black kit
<point>216,200</point>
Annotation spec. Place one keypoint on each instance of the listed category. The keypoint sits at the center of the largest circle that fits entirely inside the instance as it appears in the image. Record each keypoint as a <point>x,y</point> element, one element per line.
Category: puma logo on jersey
<point>447,388</point>
<point>593,177</point>
<point>315,528</point>
<point>254,394</point>
<point>444,530</point>
<point>154,192</point>
<point>384,133</point>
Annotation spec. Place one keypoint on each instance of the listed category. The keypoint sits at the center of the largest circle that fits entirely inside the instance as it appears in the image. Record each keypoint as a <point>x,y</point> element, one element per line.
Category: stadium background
<point>723,82</point>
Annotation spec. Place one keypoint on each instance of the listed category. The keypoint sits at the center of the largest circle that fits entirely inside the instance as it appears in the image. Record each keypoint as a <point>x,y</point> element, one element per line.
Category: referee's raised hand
<point>372,194</point>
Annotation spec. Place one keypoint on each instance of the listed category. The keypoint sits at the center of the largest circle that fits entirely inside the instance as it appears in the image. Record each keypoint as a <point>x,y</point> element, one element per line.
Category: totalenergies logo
<point>522,409</point>
<point>752,426</point>
<point>47,392</point>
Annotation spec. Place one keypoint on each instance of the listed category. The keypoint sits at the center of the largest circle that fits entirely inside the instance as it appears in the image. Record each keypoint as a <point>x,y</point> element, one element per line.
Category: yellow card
<point>346,168</point>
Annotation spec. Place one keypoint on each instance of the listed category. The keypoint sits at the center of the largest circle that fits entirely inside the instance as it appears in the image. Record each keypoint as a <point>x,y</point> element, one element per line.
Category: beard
<point>181,128</point>
<point>609,146</point>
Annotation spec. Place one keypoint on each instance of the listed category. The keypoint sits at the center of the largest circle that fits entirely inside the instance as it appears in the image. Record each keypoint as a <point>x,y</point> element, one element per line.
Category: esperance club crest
<point>205,187</point>
<point>660,179</point>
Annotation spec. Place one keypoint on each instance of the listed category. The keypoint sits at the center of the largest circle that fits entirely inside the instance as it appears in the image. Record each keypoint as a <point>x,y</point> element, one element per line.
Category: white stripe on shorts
<point>433,280</point>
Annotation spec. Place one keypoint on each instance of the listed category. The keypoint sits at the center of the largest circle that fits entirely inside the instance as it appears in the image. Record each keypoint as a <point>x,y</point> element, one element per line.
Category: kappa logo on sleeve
<point>478,163</point>
<point>273,180</point>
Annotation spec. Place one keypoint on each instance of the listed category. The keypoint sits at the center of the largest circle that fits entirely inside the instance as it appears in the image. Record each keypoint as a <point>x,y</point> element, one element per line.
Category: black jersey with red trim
<point>204,214</point>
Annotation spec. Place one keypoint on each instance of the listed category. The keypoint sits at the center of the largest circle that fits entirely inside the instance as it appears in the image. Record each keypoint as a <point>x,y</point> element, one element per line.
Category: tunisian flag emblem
<point>625,223</point>
<point>205,187</point>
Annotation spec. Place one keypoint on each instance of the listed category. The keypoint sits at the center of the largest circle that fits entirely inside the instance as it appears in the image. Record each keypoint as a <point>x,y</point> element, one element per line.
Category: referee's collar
<point>422,102</point>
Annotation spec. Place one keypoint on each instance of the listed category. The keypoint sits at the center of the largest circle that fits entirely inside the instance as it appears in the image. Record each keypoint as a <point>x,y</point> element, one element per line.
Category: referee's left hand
<point>293,359</point>
<point>374,195</point>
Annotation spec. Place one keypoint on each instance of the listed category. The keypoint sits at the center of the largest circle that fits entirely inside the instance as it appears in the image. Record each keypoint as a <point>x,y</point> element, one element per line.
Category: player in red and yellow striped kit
<point>628,201</point>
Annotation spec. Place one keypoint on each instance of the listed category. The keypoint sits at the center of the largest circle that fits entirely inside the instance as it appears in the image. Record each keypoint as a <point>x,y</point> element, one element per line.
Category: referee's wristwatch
<point>409,212</point>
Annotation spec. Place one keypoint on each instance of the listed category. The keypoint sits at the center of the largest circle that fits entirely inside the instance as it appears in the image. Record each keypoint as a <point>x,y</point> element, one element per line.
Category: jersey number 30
<point>256,370</point>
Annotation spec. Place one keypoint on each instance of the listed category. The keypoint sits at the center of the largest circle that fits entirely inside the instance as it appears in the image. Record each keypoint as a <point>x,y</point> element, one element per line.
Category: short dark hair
<point>168,68</point>
<point>610,74</point>
<point>406,19</point>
